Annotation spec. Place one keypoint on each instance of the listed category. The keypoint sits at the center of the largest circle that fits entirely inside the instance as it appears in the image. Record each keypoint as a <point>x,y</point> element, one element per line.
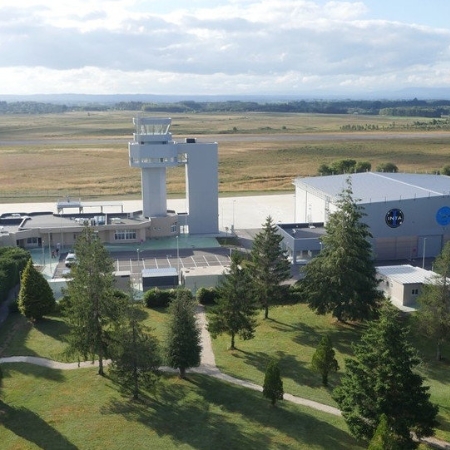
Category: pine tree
<point>323,360</point>
<point>342,280</point>
<point>269,266</point>
<point>434,300</point>
<point>134,353</point>
<point>381,380</point>
<point>273,385</point>
<point>36,297</point>
<point>383,439</point>
<point>235,309</point>
<point>183,347</point>
<point>93,310</point>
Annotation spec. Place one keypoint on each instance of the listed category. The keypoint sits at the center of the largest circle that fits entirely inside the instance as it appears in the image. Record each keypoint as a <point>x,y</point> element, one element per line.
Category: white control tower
<point>153,151</point>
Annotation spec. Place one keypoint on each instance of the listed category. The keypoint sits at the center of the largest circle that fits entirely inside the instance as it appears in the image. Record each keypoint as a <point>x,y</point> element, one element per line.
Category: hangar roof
<point>379,186</point>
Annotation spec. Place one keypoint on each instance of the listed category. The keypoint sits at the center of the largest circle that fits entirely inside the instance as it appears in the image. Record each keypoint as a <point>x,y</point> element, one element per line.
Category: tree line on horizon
<point>401,108</point>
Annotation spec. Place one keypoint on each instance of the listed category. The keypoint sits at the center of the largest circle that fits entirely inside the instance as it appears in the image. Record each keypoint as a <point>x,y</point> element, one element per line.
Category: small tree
<point>135,354</point>
<point>183,347</point>
<point>381,379</point>
<point>273,385</point>
<point>387,167</point>
<point>434,312</point>
<point>36,298</point>
<point>383,439</point>
<point>323,360</point>
<point>269,264</point>
<point>236,309</point>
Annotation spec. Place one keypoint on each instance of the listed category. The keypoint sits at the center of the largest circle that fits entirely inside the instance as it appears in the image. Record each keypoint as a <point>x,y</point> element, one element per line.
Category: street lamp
<point>137,252</point>
<point>178,258</point>
<point>232,226</point>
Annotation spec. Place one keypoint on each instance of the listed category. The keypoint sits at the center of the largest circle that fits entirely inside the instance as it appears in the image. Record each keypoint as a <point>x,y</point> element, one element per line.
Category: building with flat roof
<point>153,151</point>
<point>408,214</point>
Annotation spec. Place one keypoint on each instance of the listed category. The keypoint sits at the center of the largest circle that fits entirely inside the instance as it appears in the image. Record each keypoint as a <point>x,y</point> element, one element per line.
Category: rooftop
<point>406,274</point>
<point>380,186</point>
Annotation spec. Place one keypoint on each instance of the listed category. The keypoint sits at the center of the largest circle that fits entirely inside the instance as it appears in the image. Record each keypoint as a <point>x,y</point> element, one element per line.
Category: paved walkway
<point>207,367</point>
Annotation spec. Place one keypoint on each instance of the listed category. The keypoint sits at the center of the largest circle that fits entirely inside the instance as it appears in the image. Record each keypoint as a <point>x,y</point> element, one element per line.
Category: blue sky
<point>236,47</point>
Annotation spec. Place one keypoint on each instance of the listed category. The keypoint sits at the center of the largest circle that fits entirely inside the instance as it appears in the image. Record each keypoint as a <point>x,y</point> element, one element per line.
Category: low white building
<point>197,277</point>
<point>403,284</point>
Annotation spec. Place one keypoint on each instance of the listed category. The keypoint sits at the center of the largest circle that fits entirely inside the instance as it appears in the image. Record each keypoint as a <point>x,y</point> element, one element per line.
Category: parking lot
<point>134,262</point>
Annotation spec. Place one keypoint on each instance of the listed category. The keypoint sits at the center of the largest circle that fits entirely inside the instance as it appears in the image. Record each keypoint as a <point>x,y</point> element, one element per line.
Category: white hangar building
<point>408,214</point>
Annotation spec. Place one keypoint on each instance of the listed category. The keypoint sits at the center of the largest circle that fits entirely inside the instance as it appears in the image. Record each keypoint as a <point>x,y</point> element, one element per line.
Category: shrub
<point>157,298</point>
<point>207,296</point>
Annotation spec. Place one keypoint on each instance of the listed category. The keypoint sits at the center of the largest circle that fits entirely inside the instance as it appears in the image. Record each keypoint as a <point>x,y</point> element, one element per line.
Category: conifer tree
<point>36,297</point>
<point>273,385</point>
<point>135,353</point>
<point>235,309</point>
<point>323,360</point>
<point>269,265</point>
<point>434,300</point>
<point>183,347</point>
<point>381,379</point>
<point>93,310</point>
<point>342,280</point>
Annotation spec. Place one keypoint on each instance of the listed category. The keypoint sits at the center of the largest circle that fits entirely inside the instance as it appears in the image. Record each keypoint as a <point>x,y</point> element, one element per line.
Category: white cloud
<point>236,46</point>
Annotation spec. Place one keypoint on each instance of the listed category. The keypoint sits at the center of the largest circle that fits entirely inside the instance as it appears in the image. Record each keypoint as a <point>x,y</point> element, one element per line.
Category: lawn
<point>69,406</point>
<point>54,409</point>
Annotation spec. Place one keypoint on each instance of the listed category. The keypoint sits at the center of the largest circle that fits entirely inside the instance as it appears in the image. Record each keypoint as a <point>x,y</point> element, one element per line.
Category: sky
<point>223,47</point>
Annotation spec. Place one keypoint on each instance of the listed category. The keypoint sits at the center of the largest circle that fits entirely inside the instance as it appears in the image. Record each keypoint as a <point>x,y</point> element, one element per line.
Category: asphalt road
<point>303,137</point>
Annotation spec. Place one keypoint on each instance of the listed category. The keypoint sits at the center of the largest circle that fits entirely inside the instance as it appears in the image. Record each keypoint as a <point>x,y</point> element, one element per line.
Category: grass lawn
<point>52,409</point>
<point>67,408</point>
<point>291,335</point>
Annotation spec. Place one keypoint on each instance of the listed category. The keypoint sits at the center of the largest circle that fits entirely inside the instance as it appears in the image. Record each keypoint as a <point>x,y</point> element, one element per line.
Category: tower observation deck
<point>153,151</point>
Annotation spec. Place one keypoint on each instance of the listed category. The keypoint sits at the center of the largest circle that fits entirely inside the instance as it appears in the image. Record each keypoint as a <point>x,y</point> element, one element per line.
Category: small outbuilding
<point>195,278</point>
<point>166,278</point>
<point>403,284</point>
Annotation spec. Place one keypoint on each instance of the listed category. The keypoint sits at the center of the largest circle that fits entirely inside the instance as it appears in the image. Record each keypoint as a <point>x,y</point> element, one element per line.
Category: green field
<point>86,155</point>
<point>65,409</point>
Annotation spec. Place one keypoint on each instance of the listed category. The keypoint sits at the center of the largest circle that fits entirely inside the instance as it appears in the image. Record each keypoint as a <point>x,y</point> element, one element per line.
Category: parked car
<point>71,259</point>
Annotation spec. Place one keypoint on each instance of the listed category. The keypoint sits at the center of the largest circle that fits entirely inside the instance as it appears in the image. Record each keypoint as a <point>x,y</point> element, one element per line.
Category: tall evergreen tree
<point>434,300</point>
<point>323,360</point>
<point>235,309</point>
<point>134,353</point>
<point>342,280</point>
<point>273,385</point>
<point>183,347</point>
<point>381,380</point>
<point>93,309</point>
<point>36,297</point>
<point>269,265</point>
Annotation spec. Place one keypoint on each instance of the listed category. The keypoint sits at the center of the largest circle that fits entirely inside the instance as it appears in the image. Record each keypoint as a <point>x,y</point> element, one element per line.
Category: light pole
<point>137,253</point>
<point>232,226</point>
<point>424,252</point>
<point>178,258</point>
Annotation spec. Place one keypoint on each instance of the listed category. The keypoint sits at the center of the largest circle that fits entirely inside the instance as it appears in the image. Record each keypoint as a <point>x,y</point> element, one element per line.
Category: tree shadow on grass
<point>180,412</point>
<point>299,426</point>
<point>29,426</point>
<point>33,370</point>
<point>342,336</point>
<point>56,329</point>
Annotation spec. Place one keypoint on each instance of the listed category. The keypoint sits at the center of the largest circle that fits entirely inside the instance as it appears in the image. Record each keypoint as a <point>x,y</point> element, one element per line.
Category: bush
<point>207,296</point>
<point>387,167</point>
<point>157,298</point>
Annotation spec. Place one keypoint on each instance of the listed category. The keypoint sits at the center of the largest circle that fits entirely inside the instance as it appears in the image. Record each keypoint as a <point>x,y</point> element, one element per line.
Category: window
<point>415,292</point>
<point>124,235</point>
<point>32,240</point>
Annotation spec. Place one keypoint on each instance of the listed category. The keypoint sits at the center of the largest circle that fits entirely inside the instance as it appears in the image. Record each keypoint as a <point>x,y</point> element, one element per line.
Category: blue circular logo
<point>394,218</point>
<point>443,216</point>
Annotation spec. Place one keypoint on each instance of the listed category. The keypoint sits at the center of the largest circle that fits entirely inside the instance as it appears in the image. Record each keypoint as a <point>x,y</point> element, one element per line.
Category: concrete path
<point>207,367</point>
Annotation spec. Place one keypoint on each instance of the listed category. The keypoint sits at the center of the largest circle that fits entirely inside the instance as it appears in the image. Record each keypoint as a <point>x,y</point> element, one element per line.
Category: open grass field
<point>69,407</point>
<point>46,157</point>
